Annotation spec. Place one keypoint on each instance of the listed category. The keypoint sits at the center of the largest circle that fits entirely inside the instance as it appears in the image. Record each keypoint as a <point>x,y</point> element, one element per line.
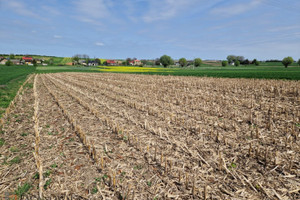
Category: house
<point>39,61</point>
<point>15,61</point>
<point>82,62</point>
<point>111,62</point>
<point>27,60</point>
<point>135,62</point>
<point>3,61</point>
<point>69,63</point>
<point>92,63</point>
<point>119,62</point>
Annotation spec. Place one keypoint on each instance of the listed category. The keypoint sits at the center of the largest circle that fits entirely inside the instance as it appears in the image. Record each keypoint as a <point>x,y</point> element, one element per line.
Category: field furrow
<point>124,136</point>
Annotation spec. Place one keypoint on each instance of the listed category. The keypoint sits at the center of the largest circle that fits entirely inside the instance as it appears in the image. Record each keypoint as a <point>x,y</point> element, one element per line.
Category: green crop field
<point>262,72</point>
<point>10,80</point>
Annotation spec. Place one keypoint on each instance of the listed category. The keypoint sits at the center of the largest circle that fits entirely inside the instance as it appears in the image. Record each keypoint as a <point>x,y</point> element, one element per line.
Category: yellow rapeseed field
<point>132,69</point>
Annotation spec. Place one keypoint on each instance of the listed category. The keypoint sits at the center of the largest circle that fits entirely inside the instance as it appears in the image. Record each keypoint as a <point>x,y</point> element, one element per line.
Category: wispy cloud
<point>235,9</point>
<point>166,9</point>
<point>99,44</point>
<point>19,8</point>
<point>92,11</point>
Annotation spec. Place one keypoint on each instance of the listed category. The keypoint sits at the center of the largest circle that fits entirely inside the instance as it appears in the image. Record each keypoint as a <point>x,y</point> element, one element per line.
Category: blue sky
<point>209,29</point>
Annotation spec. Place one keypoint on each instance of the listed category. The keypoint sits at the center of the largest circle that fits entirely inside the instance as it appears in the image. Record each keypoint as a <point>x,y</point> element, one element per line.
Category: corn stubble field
<point>121,136</point>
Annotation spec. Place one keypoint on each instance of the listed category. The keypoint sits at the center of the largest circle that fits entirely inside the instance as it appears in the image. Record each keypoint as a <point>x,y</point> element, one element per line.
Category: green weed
<point>2,141</point>
<point>47,173</point>
<point>24,134</point>
<point>48,182</point>
<point>23,189</point>
<point>94,190</point>
<point>15,160</point>
<point>14,149</point>
<point>53,165</point>
<point>36,176</point>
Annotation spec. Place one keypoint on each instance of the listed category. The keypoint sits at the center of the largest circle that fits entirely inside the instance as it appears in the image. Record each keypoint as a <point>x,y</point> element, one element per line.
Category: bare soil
<point>120,136</point>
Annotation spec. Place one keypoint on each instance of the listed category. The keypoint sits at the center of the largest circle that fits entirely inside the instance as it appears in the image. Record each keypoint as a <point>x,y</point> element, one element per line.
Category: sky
<point>148,29</point>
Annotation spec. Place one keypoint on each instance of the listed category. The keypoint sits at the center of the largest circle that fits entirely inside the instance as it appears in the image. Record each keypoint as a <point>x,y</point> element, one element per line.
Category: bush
<point>224,63</point>
<point>255,62</point>
<point>237,63</point>
<point>197,62</point>
<point>298,62</point>
<point>8,63</point>
<point>34,63</point>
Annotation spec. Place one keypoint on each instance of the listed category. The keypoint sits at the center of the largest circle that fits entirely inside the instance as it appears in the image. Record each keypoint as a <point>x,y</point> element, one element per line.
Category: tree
<point>128,61</point>
<point>298,62</point>
<point>240,58</point>
<point>166,60</point>
<point>287,61</point>
<point>8,63</point>
<point>245,62</point>
<point>34,63</point>
<point>237,63</point>
<point>11,56</point>
<point>144,62</point>
<point>255,62</point>
<point>182,62</point>
<point>51,61</point>
<point>224,63</point>
<point>75,59</point>
<point>157,61</point>
<point>197,62</point>
<point>98,61</point>
<point>231,58</point>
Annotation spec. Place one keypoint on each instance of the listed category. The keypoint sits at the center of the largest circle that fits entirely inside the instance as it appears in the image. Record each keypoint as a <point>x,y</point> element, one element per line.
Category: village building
<point>135,62</point>
<point>111,62</point>
<point>92,63</point>
<point>118,62</point>
<point>15,61</point>
<point>3,61</point>
<point>27,60</point>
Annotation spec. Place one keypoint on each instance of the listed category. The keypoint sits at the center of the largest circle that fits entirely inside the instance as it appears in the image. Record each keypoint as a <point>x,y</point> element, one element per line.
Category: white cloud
<point>166,9</point>
<point>99,44</point>
<point>19,8</point>
<point>236,9</point>
<point>57,36</point>
<point>93,9</point>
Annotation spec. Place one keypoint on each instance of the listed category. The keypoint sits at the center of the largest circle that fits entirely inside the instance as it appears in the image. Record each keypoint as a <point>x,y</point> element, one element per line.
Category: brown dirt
<point>146,137</point>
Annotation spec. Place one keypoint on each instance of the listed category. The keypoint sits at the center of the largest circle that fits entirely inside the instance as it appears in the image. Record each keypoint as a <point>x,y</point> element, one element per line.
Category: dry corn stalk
<point>37,138</point>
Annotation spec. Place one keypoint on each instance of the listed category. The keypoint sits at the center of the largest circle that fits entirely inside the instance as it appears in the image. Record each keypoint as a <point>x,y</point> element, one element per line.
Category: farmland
<point>261,72</point>
<point>117,136</point>
<point>10,80</point>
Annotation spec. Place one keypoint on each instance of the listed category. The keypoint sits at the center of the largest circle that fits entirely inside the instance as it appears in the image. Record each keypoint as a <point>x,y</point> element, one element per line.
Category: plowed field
<point>122,136</point>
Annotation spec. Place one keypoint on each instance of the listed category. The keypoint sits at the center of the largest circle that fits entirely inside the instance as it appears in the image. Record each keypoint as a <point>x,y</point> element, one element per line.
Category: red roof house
<point>111,62</point>
<point>27,59</point>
